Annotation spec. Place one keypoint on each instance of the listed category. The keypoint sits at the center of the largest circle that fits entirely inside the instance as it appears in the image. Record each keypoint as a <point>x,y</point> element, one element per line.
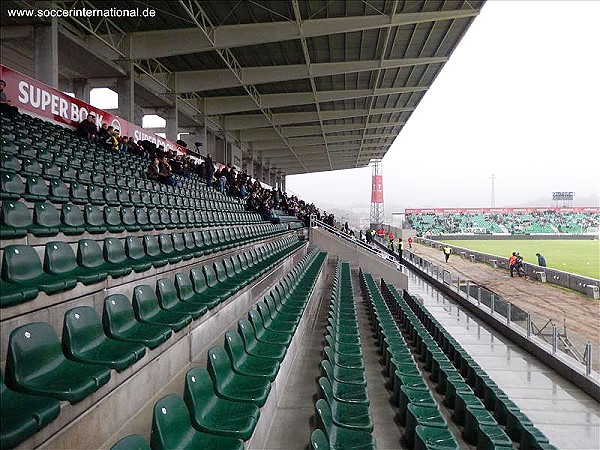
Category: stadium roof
<point>308,85</point>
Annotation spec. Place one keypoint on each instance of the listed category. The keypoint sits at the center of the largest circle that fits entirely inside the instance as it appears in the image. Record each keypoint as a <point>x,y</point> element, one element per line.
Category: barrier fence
<point>585,285</point>
<point>531,325</point>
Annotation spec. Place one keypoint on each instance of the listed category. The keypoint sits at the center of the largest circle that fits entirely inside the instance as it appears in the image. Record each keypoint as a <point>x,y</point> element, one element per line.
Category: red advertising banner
<point>501,210</point>
<point>377,189</point>
<point>48,103</point>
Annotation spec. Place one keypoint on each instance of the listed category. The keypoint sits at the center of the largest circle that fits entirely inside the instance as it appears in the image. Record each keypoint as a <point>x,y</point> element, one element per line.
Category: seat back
<point>184,287</point>
<point>219,366</point>
<point>93,216</point>
<point>35,186</point>
<point>198,391</point>
<point>112,216</point>
<point>11,185</point>
<point>134,248</point>
<point>189,241</point>
<point>141,216</point>
<point>20,263</point>
<point>46,215</point>
<point>229,269</point>
<point>171,423</point>
<point>166,244</point>
<point>220,271</point>
<point>145,303</point>
<point>256,320</point>
<point>178,242</point>
<point>318,440</point>
<point>198,280</point>
<point>234,346</point>
<point>32,350</point>
<point>211,276</point>
<point>82,330</point>
<point>166,293</point>
<point>117,315</point>
<point>72,216</point>
<point>151,245</point>
<point>324,418</point>
<point>246,330</point>
<point>325,390</point>
<point>89,254</point>
<point>264,313</point>
<point>132,442</point>
<point>59,258</point>
<point>114,252</point>
<point>15,214</point>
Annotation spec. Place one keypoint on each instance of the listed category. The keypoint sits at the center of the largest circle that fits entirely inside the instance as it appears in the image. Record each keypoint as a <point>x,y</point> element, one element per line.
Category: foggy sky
<point>518,99</point>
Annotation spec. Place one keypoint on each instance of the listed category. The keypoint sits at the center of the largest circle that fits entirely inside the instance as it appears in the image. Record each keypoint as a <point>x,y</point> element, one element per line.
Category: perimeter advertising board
<point>48,103</point>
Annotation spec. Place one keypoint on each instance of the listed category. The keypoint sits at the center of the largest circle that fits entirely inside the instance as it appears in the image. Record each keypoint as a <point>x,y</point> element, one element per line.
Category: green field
<point>576,256</point>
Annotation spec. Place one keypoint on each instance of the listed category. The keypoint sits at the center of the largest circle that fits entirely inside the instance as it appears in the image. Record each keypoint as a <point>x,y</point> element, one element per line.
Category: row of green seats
<point>22,274</point>
<point>424,425</point>
<point>38,363</point>
<point>17,220</point>
<point>220,404</point>
<point>344,418</point>
<point>36,188</point>
<point>472,394</point>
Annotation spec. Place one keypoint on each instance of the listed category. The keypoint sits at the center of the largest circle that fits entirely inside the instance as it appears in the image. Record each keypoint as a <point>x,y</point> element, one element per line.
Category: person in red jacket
<point>409,240</point>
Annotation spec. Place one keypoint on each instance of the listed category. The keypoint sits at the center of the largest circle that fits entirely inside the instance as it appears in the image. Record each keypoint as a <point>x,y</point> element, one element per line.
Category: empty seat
<point>166,247</point>
<point>11,186</point>
<point>78,193</point>
<point>94,220</point>
<point>73,222</point>
<point>59,192</point>
<point>15,219</point>
<point>119,322</point>
<point>341,438</point>
<point>155,255</point>
<point>169,300</point>
<point>233,386</point>
<point>172,429</point>
<point>129,220</point>
<point>35,364</point>
<point>134,249</point>
<point>147,310</point>
<point>84,341</point>
<point>22,415</point>
<point>90,256</point>
<point>216,415</point>
<point>195,291</point>
<point>60,260</point>
<point>114,254</point>
<point>354,416</point>
<point>245,364</point>
<point>258,348</point>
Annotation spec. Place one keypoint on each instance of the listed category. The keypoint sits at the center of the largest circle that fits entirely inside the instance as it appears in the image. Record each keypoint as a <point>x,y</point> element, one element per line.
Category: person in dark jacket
<point>209,170</point>
<point>87,128</point>
<point>541,260</point>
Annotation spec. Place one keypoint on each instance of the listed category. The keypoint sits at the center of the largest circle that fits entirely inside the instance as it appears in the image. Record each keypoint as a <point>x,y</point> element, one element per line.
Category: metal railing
<point>531,325</point>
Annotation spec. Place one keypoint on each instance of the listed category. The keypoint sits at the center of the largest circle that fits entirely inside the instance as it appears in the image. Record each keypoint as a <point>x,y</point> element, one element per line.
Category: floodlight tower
<point>493,196</point>
<point>376,195</point>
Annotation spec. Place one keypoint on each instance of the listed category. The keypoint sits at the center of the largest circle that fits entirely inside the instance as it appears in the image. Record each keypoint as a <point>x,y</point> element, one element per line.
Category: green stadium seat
<point>95,194</point>
<point>22,415</point>
<point>46,220</point>
<point>36,365</point>
<point>114,255</point>
<point>475,416</point>
<point>318,440</point>
<point>166,247</point>
<point>73,222</point>
<point>136,256</point>
<point>155,255</point>
<point>132,442</point>
<point>233,386</point>
<point>269,336</point>
<point>84,341</point>
<point>341,438</point>
<point>258,348</point>
<point>9,162</point>
<point>215,415</point>
<point>195,291</point>
<point>15,220</point>
<point>492,437</point>
<point>59,192</point>
<point>354,416</point>
<point>129,220</point>
<point>172,429</point>
<point>428,438</point>
<point>180,247</point>
<point>421,415</point>
<point>112,218</point>
<point>169,300</point>
<point>31,166</point>
<point>60,261</point>
<point>147,310</point>
<point>344,374</point>
<point>141,217</point>
<point>78,193</point>
<point>245,364</point>
<point>94,220</point>
<point>22,269</point>
<point>343,392</point>
<point>119,322</point>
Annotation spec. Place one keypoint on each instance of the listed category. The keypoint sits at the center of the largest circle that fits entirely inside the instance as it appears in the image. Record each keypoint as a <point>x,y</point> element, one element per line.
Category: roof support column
<point>125,89</point>
<point>172,122</point>
<point>46,51</point>
<point>248,165</point>
<point>82,89</point>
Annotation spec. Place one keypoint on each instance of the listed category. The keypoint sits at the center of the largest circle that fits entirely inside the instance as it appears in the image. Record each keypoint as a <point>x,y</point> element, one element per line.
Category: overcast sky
<point>519,99</point>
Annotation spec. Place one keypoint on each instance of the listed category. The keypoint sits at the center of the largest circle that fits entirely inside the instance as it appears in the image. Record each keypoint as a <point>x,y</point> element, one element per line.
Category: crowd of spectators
<point>270,203</point>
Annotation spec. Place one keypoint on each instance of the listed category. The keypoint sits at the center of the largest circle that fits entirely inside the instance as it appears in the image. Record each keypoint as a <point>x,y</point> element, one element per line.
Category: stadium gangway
<point>314,222</point>
<point>581,372</point>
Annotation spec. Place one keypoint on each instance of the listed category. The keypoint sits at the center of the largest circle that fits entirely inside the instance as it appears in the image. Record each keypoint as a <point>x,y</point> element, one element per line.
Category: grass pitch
<point>576,256</point>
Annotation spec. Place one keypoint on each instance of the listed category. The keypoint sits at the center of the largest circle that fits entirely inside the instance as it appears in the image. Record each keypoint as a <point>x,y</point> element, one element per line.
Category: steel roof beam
<point>317,140</point>
<point>232,104</point>
<point>171,42</point>
<point>261,134</point>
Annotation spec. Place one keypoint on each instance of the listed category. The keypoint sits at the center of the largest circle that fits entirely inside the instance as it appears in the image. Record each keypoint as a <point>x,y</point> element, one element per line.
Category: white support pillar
<point>46,52</point>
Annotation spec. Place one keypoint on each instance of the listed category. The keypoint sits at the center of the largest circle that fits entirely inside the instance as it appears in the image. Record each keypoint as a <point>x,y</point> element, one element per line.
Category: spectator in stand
<point>541,260</point>
<point>209,168</point>
<point>5,103</point>
<point>112,142</point>
<point>410,241</point>
<point>447,251</point>
<point>87,128</point>
<point>166,173</point>
<point>102,133</point>
<point>253,203</point>
<point>153,172</point>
